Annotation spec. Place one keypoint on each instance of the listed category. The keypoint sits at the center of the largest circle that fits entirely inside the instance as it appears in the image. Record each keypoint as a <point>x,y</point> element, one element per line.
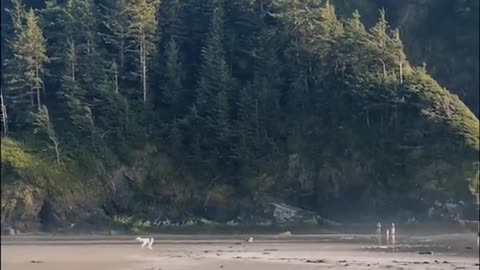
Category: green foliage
<point>173,93</point>
<point>21,163</point>
<point>13,155</point>
<point>25,70</point>
<point>441,106</point>
<point>259,99</point>
<point>43,125</point>
<point>211,104</point>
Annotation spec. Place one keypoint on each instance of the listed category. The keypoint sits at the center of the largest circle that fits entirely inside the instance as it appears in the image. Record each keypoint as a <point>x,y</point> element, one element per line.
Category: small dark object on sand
<point>445,262</point>
<point>468,247</point>
<point>34,261</point>
<point>270,249</point>
<point>425,262</point>
<point>425,253</point>
<point>221,266</point>
<point>315,261</point>
<point>342,261</point>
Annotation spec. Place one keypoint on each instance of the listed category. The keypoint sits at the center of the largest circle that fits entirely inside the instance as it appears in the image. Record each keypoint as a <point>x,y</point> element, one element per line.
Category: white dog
<point>146,242</point>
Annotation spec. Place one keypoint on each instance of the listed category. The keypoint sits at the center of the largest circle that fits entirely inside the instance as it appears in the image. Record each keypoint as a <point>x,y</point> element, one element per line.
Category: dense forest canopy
<point>223,105</point>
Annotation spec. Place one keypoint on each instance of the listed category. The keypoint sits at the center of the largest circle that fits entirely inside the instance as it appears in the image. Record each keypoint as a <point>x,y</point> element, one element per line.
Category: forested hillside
<point>448,47</point>
<point>180,109</point>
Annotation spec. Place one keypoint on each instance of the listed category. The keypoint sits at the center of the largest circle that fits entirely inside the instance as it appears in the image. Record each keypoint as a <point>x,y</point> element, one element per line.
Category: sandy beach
<point>448,252</point>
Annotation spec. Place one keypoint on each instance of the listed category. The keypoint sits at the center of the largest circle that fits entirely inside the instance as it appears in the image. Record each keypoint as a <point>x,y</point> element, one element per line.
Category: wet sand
<point>450,252</point>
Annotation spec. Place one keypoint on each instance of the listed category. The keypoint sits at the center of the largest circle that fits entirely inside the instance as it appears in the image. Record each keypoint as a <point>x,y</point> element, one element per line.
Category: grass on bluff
<point>22,163</point>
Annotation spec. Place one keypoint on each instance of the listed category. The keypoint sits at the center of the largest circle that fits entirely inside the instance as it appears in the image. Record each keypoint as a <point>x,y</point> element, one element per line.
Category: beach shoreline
<point>206,252</point>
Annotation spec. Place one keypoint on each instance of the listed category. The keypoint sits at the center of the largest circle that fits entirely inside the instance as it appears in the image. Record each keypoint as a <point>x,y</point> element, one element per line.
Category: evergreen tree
<point>172,86</point>
<point>248,123</point>
<point>77,114</point>
<point>18,14</point>
<point>268,83</point>
<point>29,48</point>
<point>198,16</point>
<point>213,90</point>
<point>82,25</point>
<point>116,22</point>
<point>379,42</point>
<point>32,49</point>
<point>82,52</point>
<point>81,68</point>
<point>353,46</point>
<point>173,34</point>
<point>141,29</point>
<point>55,21</point>
<point>172,23</point>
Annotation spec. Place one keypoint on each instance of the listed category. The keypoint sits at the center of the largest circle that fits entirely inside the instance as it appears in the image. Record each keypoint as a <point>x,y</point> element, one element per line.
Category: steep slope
<point>288,103</point>
<point>447,46</point>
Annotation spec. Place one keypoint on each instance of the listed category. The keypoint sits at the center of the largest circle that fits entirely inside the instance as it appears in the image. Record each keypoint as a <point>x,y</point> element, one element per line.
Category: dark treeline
<point>230,90</point>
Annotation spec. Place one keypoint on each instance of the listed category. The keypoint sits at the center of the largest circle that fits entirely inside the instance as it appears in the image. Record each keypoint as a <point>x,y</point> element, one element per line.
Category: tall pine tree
<point>25,71</point>
<point>213,91</point>
<point>141,29</point>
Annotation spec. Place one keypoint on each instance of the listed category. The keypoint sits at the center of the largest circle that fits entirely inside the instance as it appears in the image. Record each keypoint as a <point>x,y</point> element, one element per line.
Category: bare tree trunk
<point>73,71</point>
<point>88,46</point>
<point>38,98</point>
<point>38,88</point>
<point>4,115</point>
<point>401,71</point>
<point>73,60</point>
<point>57,151</point>
<point>116,80</point>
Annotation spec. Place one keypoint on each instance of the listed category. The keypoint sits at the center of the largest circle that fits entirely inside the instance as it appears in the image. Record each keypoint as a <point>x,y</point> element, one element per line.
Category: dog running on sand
<point>148,242</point>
